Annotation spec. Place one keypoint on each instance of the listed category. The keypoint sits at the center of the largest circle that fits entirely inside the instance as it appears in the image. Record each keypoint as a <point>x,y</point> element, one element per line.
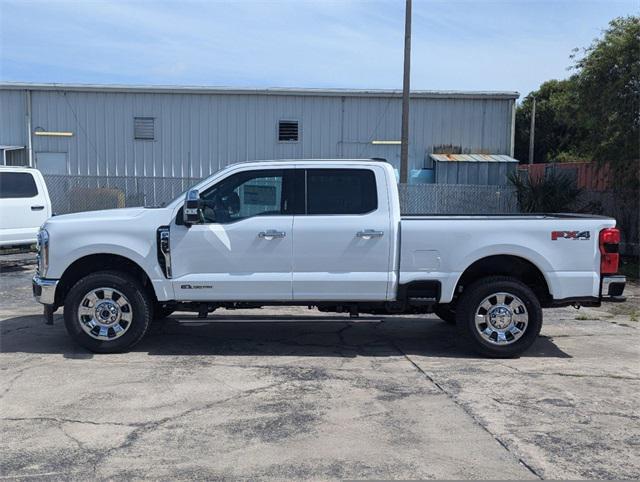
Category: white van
<point>24,205</point>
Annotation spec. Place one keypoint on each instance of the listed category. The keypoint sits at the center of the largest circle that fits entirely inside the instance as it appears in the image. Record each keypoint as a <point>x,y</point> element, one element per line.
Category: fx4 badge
<point>583,235</point>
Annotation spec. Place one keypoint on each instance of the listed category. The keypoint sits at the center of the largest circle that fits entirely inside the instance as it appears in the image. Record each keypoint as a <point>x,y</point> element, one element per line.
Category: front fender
<point>65,251</point>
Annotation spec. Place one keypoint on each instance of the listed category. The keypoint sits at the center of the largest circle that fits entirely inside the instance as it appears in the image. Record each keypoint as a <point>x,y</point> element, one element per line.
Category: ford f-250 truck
<point>323,233</point>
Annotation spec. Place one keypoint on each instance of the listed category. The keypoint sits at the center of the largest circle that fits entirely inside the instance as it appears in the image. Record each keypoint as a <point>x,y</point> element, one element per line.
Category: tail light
<point>609,257</point>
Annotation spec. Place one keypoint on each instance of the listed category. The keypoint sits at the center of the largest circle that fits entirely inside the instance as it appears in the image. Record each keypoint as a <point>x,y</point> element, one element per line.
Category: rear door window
<point>17,185</point>
<point>341,191</point>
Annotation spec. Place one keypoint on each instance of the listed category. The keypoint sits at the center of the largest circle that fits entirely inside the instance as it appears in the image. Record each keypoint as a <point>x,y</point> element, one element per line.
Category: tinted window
<point>341,191</point>
<point>17,185</point>
<point>248,194</point>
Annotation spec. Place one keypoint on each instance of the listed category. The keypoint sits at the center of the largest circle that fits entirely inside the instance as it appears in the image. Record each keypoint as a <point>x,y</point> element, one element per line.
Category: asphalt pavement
<point>320,398</point>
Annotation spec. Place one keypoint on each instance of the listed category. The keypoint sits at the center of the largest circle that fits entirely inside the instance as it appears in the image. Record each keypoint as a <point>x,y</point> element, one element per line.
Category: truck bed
<point>563,246</point>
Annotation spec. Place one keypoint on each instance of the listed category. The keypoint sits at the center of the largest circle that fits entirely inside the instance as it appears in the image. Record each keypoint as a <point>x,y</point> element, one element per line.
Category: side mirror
<point>191,209</point>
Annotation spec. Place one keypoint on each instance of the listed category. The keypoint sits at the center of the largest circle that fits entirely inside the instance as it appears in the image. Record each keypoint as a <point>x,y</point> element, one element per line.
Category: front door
<point>342,242</point>
<point>243,248</point>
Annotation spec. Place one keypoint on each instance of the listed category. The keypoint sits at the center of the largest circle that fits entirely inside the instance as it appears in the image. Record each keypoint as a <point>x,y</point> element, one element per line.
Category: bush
<point>553,193</point>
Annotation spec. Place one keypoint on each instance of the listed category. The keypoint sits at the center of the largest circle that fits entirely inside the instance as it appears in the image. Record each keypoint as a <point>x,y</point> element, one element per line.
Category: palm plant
<point>553,193</point>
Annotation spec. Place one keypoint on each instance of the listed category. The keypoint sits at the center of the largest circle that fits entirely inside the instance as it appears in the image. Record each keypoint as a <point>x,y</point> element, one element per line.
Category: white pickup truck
<point>24,205</point>
<point>323,233</point>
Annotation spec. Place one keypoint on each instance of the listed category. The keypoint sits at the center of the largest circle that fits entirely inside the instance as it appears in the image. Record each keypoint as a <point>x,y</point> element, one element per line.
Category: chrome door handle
<point>369,233</point>
<point>271,234</point>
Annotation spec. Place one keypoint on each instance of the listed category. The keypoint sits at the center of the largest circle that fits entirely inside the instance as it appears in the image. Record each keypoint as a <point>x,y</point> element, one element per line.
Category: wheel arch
<point>101,262</point>
<point>511,265</point>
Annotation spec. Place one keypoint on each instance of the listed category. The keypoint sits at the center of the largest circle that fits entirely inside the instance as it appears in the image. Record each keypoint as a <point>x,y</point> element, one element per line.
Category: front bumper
<point>44,290</point>
<point>612,288</point>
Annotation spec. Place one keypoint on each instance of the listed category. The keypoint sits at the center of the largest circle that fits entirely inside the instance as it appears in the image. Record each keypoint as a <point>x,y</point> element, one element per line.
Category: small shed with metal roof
<point>488,169</point>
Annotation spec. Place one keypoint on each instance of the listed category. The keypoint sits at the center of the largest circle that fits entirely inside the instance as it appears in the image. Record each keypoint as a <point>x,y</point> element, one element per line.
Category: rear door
<point>342,242</point>
<point>23,203</point>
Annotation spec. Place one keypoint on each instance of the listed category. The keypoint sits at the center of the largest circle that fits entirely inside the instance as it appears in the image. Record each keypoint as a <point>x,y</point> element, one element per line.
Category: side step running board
<point>187,319</point>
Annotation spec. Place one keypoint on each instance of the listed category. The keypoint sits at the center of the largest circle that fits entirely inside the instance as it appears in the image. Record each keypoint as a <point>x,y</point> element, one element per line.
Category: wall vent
<point>144,128</point>
<point>288,131</point>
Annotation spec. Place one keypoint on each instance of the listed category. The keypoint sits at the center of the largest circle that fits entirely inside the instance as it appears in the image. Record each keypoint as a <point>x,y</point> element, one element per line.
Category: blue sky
<point>457,44</point>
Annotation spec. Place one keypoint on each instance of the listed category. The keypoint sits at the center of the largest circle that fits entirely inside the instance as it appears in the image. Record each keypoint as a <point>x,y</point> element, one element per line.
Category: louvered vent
<point>144,128</point>
<point>288,131</point>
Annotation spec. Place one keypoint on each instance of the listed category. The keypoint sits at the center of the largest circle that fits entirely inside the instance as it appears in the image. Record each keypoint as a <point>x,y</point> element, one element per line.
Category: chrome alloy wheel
<point>105,314</point>
<point>501,318</point>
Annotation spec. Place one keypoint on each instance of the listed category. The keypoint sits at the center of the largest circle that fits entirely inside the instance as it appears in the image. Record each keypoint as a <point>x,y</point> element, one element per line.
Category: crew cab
<point>24,205</point>
<point>322,233</point>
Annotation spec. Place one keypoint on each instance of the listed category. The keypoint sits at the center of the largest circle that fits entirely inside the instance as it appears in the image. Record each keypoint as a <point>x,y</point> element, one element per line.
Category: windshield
<point>198,186</point>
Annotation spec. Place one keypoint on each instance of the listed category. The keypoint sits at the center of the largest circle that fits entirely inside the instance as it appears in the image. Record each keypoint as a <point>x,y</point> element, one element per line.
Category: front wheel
<point>107,312</point>
<point>500,315</point>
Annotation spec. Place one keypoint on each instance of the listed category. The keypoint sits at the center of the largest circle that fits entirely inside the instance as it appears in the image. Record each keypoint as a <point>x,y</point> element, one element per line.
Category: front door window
<point>245,195</point>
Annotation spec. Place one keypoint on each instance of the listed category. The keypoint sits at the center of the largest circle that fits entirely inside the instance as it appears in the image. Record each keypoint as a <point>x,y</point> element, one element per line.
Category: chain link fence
<point>71,194</point>
<point>457,199</point>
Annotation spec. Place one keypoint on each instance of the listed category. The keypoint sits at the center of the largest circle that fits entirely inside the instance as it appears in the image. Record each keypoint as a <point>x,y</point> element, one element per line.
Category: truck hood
<point>123,214</point>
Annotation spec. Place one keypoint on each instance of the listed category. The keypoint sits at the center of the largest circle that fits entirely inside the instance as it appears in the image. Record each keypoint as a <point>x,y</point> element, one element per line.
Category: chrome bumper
<point>613,287</point>
<point>44,290</point>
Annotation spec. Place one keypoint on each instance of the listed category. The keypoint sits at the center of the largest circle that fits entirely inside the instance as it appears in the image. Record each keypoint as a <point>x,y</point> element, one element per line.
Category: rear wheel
<point>500,315</point>
<point>107,312</point>
<point>446,313</point>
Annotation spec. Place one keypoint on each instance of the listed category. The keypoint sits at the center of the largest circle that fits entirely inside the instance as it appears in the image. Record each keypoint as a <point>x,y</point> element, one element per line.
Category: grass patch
<point>586,318</point>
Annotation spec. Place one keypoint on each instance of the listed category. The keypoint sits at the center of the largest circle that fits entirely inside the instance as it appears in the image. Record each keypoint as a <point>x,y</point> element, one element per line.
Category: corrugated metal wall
<point>197,134</point>
<point>488,173</point>
<point>13,128</point>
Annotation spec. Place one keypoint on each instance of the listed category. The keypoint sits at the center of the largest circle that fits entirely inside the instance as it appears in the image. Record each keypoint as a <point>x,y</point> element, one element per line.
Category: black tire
<point>446,313</point>
<point>162,311</point>
<point>476,293</point>
<point>140,308</point>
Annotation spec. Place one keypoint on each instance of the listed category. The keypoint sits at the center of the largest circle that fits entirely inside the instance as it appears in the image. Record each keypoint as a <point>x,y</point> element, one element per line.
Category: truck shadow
<point>384,337</point>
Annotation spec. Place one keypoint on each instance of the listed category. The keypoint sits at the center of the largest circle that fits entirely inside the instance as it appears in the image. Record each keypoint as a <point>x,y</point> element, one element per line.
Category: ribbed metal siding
<point>490,173</point>
<point>196,134</point>
<point>12,118</point>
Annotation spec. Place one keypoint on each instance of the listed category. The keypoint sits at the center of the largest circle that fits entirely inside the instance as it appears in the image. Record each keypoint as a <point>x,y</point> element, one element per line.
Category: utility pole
<point>404,137</point>
<point>532,131</point>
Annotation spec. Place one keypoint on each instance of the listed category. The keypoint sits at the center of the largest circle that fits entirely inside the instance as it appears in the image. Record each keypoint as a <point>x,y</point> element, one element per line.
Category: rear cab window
<point>16,185</point>
<point>341,191</point>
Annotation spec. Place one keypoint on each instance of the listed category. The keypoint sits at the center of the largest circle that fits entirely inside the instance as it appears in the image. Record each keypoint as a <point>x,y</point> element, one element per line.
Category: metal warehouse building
<point>194,131</point>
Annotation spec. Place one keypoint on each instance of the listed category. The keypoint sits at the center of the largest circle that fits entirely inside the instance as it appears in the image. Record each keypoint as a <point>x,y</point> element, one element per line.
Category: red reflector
<point>609,260</point>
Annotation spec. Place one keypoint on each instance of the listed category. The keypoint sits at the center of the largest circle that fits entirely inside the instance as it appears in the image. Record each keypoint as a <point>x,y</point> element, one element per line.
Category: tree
<point>594,114</point>
<point>556,126</point>
<point>608,97</point>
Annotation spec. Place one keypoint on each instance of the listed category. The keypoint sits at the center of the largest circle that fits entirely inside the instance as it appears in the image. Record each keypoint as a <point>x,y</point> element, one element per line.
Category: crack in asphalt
<point>70,420</point>
<point>18,374</point>
<point>147,427</point>
<point>139,428</point>
<point>468,412</point>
